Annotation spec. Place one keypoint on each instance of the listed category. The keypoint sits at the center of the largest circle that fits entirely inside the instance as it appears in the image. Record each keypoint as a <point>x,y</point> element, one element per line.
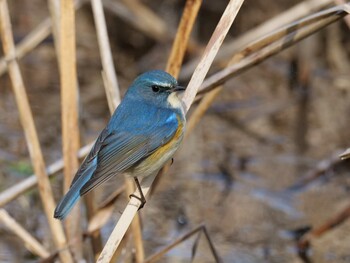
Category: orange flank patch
<point>158,154</point>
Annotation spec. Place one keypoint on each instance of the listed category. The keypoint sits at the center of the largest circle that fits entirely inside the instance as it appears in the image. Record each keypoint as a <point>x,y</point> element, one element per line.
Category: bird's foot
<point>142,200</point>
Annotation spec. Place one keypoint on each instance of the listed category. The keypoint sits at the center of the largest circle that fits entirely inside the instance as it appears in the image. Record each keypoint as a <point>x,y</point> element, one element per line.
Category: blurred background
<point>261,167</point>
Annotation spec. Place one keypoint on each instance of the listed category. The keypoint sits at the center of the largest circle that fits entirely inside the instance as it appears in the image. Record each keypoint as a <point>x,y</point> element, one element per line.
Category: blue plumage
<point>142,134</point>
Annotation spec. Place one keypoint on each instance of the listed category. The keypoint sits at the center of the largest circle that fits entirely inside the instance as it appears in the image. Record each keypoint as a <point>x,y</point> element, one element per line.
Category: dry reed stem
<point>131,209</point>
<point>347,18</point>
<point>105,50</point>
<point>154,28</point>
<point>316,232</point>
<point>345,155</point>
<point>21,187</point>
<point>30,242</point>
<point>104,211</point>
<point>182,36</point>
<point>211,50</point>
<point>200,110</point>
<point>296,12</point>
<point>157,256</point>
<point>135,228</point>
<point>112,91</point>
<point>69,109</point>
<point>292,34</point>
<point>54,8</point>
<point>207,100</point>
<point>30,133</point>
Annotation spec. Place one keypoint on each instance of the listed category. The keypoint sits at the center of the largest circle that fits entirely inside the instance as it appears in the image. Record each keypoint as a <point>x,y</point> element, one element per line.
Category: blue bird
<point>142,135</point>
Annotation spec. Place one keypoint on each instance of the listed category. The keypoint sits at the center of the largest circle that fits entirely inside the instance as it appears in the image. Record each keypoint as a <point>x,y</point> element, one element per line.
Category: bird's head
<point>156,87</point>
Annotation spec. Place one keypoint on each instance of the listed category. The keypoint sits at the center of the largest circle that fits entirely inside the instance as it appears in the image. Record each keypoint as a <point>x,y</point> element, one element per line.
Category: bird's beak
<point>178,88</point>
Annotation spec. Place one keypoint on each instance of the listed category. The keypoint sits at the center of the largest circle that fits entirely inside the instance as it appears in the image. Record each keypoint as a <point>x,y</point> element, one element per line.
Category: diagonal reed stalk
<point>30,133</point>
<point>30,242</point>
<point>158,255</point>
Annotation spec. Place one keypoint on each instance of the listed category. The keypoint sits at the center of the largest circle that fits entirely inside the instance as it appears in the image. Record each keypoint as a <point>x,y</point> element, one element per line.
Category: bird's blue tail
<point>72,196</point>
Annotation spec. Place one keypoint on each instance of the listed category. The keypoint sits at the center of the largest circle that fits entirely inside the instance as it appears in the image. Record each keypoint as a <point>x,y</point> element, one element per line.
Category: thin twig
<point>30,242</point>
<point>347,18</point>
<point>30,133</point>
<point>304,243</point>
<point>105,50</point>
<point>158,255</point>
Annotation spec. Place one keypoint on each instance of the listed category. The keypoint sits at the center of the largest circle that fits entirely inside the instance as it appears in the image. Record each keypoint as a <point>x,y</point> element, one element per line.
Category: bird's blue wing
<point>123,148</point>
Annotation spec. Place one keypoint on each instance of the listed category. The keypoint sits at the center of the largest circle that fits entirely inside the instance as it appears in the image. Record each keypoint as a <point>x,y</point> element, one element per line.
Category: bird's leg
<point>142,198</point>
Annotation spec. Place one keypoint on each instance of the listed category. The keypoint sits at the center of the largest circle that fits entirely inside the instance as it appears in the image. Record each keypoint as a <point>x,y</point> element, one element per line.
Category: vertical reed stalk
<point>30,133</point>
<point>69,107</point>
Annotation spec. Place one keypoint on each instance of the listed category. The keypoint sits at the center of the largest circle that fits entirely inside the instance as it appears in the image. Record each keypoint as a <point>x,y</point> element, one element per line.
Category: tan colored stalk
<point>211,50</point>
<point>31,134</point>
<point>30,242</point>
<point>69,108</point>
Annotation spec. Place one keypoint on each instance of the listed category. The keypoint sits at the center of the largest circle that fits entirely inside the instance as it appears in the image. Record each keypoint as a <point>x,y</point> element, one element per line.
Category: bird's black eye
<point>155,88</point>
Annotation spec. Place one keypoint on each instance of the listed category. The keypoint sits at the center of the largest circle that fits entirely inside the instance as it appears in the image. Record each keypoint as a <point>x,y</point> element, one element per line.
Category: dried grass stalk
<point>69,108</point>
<point>30,133</point>
<point>30,242</point>
<point>157,256</point>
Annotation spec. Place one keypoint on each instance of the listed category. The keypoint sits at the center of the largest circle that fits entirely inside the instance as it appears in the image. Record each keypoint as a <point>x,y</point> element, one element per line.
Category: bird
<point>143,133</point>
